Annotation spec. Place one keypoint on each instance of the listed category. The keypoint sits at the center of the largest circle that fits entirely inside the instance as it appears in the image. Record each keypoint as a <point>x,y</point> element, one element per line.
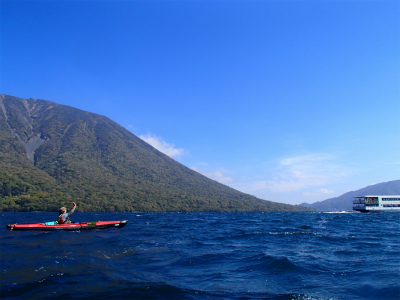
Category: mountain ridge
<point>52,154</point>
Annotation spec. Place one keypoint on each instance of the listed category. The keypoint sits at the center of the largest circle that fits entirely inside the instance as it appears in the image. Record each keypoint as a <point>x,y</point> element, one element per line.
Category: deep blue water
<point>205,256</point>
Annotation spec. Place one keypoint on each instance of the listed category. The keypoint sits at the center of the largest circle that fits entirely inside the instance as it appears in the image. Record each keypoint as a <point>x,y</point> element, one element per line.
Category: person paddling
<point>63,216</point>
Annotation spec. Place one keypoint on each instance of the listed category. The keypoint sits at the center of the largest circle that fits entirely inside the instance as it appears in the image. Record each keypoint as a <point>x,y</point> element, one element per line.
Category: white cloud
<point>320,192</point>
<point>302,172</point>
<point>162,146</point>
<point>280,186</point>
<point>219,175</point>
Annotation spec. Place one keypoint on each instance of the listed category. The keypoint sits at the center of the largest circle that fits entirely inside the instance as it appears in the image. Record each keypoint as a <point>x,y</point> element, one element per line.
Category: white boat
<point>377,203</point>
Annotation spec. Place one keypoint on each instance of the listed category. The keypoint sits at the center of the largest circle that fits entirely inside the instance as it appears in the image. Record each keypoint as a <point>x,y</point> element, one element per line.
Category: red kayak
<point>48,226</point>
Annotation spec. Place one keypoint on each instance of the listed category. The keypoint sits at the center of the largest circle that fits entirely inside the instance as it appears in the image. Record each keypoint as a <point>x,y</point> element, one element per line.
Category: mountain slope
<point>52,154</point>
<point>345,201</point>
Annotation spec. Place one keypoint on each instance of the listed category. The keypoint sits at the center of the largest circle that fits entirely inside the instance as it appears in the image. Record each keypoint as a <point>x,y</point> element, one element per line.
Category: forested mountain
<point>52,154</point>
<point>345,201</point>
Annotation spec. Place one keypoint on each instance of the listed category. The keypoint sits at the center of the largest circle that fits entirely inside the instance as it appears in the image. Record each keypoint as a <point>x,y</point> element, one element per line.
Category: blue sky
<point>290,101</point>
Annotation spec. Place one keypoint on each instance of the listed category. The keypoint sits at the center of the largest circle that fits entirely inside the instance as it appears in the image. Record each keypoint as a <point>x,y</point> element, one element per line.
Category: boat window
<point>390,199</point>
<point>371,200</point>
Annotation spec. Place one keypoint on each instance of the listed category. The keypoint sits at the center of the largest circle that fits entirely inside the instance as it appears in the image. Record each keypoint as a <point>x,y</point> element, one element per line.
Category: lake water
<point>205,256</point>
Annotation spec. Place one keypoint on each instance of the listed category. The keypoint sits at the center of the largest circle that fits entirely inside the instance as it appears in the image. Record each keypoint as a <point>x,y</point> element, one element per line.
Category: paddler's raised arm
<point>73,209</point>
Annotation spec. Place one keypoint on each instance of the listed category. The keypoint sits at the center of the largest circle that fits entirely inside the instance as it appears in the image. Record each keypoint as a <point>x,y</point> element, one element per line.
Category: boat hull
<point>72,226</point>
<point>377,210</point>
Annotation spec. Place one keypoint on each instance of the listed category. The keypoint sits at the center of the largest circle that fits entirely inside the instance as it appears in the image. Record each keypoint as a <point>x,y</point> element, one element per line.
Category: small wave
<point>205,259</point>
<point>305,227</point>
<point>307,297</point>
<point>293,232</point>
<point>272,264</point>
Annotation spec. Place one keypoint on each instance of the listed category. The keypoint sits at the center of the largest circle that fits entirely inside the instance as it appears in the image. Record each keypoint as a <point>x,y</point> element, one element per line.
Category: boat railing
<point>372,202</point>
<point>366,201</point>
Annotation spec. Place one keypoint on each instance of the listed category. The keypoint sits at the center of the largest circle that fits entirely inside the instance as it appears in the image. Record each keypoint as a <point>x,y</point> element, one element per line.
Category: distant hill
<point>52,154</point>
<point>345,201</point>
